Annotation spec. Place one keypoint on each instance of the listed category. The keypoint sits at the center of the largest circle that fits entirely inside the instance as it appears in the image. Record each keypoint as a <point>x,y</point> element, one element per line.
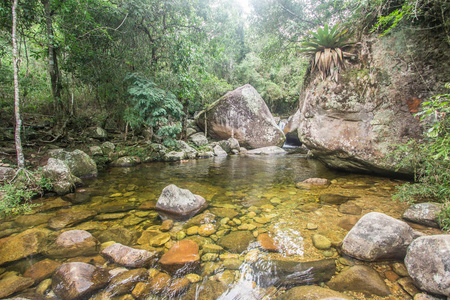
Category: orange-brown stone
<point>183,257</point>
<point>268,243</point>
<point>159,283</point>
<point>41,270</point>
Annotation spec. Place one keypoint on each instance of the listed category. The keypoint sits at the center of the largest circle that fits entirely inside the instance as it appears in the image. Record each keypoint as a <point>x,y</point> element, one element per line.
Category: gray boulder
<point>174,156</point>
<point>271,150</point>
<point>108,147</point>
<point>179,204</point>
<point>244,115</point>
<point>377,236</point>
<point>96,151</point>
<point>189,152</point>
<point>199,139</point>
<point>428,263</point>
<point>219,151</point>
<point>78,280</point>
<point>126,161</point>
<point>63,181</point>
<point>80,164</point>
<point>98,133</point>
<point>423,213</point>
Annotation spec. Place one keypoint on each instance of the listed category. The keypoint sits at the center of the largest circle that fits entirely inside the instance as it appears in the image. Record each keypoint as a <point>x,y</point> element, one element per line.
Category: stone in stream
<point>78,197</point>
<point>289,273</point>
<point>78,280</point>
<point>208,290</point>
<point>362,279</point>
<point>428,263</point>
<point>28,243</point>
<point>377,236</point>
<point>182,258</point>
<point>222,212</point>
<point>267,243</point>
<point>237,241</point>
<point>334,199</point>
<point>179,204</point>
<point>73,243</point>
<point>269,150</point>
<point>119,235</point>
<point>154,238</point>
<point>174,156</point>
<point>313,183</point>
<point>198,220</point>
<point>350,209</point>
<point>14,284</point>
<point>69,217</point>
<point>63,181</point>
<point>244,115</point>
<point>126,161</point>
<point>124,282</point>
<point>219,151</point>
<point>32,220</point>
<point>129,257</point>
<point>311,292</point>
<point>41,270</point>
<point>424,213</point>
<point>80,164</point>
<point>321,242</point>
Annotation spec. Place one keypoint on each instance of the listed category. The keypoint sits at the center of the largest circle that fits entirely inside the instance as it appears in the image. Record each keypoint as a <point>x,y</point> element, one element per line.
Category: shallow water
<point>262,189</point>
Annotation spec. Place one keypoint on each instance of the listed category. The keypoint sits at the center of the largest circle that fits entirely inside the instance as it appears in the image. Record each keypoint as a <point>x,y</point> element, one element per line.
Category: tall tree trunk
<point>17,139</point>
<point>53,69</point>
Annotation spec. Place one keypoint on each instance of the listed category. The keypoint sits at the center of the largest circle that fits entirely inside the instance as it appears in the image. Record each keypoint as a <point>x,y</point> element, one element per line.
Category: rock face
<point>362,279</point>
<point>63,182</point>
<point>377,236</point>
<point>350,124</point>
<point>128,257</point>
<point>423,213</point>
<point>80,164</point>
<point>78,280</point>
<point>428,264</point>
<point>244,115</point>
<point>179,204</point>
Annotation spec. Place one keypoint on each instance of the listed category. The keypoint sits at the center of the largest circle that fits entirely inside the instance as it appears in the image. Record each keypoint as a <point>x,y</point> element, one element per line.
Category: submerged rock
<point>182,258</point>
<point>334,199</point>
<point>124,282</point>
<point>244,115</point>
<point>73,243</point>
<point>311,292</point>
<point>424,213</point>
<point>78,280</point>
<point>209,290</point>
<point>270,150</point>
<point>428,263</point>
<point>237,241</point>
<point>313,183</point>
<point>129,257</point>
<point>377,236</point>
<point>41,270</point>
<point>362,279</point>
<point>179,204</point>
<point>13,284</point>
<point>69,217</point>
<point>27,243</point>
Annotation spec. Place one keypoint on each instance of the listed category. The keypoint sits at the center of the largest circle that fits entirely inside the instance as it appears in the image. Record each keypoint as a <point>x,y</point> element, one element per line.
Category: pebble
<point>193,278</point>
<point>210,256</point>
<point>116,195</point>
<point>311,226</point>
<point>206,229</point>
<point>192,230</point>
<point>321,242</point>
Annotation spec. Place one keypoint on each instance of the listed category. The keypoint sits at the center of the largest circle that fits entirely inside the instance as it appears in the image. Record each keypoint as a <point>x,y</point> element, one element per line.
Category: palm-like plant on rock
<point>326,47</point>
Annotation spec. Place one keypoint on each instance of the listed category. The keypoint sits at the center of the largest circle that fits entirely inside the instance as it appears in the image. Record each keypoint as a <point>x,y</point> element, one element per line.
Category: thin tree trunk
<point>17,139</point>
<point>53,69</point>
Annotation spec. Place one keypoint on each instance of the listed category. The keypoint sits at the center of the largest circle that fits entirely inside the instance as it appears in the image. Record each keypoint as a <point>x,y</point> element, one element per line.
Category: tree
<point>16,60</point>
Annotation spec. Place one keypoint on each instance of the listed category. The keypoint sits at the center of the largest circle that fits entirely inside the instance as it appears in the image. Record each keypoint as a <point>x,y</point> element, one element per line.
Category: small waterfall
<point>282,124</point>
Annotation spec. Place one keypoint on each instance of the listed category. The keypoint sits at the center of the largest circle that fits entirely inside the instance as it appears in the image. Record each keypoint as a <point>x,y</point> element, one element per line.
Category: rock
<point>80,164</point>
<point>174,156</point>
<point>41,270</point>
<point>321,242</point>
<point>424,213</point>
<point>231,264</point>
<point>350,209</point>
<point>73,243</point>
<point>333,199</point>
<point>198,220</point>
<point>313,183</point>
<point>78,280</point>
<point>348,222</point>
<point>182,258</point>
<point>237,241</point>
<point>107,148</point>
<point>166,225</point>
<point>311,292</point>
<point>63,181</point>
<point>212,248</point>
<point>177,287</point>
<point>114,207</point>
<point>268,243</point>
<point>179,204</point>
<point>289,273</point>
<point>154,238</point>
<point>52,204</point>
<point>159,283</point>
<point>6,173</point>
<point>224,212</point>
<point>129,257</point>
<point>270,150</point>
<point>219,151</point>
<point>124,282</point>
<point>199,139</point>
<point>126,161</point>
<point>78,197</point>
<point>96,151</point>
<point>209,290</point>
<point>32,220</point>
<point>206,230</point>
<point>242,114</point>
<point>377,236</point>
<point>362,279</point>
<point>27,243</point>
<point>13,284</point>
<point>189,152</point>
<point>119,235</point>
<point>98,133</point>
<point>428,264</point>
<point>424,296</point>
<point>408,285</point>
<point>69,217</point>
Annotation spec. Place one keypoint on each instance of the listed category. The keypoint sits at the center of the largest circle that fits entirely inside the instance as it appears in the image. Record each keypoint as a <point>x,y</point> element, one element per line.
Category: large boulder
<point>353,123</point>
<point>179,204</point>
<point>428,263</point>
<point>199,139</point>
<point>63,181</point>
<point>377,236</point>
<point>244,115</point>
<point>78,280</point>
<point>80,164</point>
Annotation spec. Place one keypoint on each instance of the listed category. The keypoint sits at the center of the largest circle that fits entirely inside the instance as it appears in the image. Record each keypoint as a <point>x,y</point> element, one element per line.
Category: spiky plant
<point>326,48</point>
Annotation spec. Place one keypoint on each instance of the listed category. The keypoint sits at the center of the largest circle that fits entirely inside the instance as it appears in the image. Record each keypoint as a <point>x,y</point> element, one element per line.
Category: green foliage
<point>431,159</point>
<point>17,194</point>
<point>326,48</point>
<point>153,107</point>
